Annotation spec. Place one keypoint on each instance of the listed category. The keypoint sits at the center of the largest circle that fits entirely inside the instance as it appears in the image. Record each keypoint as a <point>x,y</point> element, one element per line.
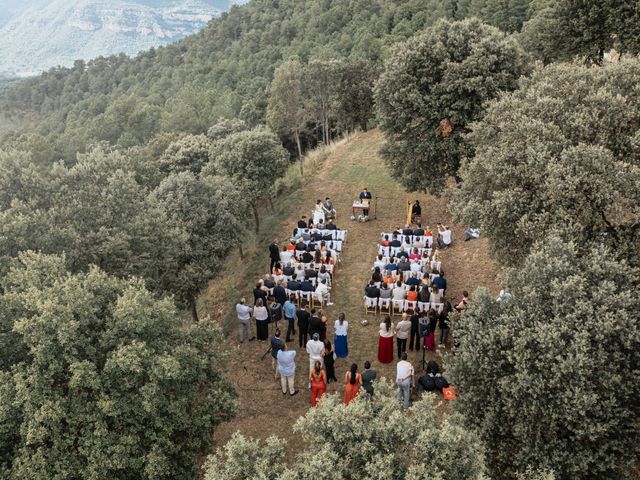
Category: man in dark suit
<point>395,242</point>
<point>279,293</point>
<point>306,286</point>
<point>301,246</point>
<point>440,282</point>
<point>293,284</point>
<point>419,231</point>
<point>258,292</point>
<point>372,291</point>
<point>303,324</point>
<point>365,197</point>
<point>330,225</point>
<point>274,254</point>
<point>307,257</point>
<point>315,324</point>
<point>288,270</point>
<point>413,280</point>
<point>268,282</point>
<point>302,223</point>
<point>407,231</point>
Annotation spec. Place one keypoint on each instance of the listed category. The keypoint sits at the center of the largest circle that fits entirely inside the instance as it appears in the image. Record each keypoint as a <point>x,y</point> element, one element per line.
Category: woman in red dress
<point>385,341</point>
<point>352,381</point>
<point>318,383</point>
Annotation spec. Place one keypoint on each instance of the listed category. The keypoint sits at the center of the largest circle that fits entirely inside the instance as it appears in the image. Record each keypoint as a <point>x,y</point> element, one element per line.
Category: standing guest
<point>463,303</point>
<point>276,345</point>
<point>385,341</point>
<point>416,213</point>
<point>329,362</point>
<point>287,369</point>
<point>279,293</point>
<point>353,381</point>
<point>261,314</point>
<point>415,331</point>
<point>368,376</point>
<point>403,329</point>
<point>443,322</point>
<point>323,327</point>
<point>329,211</point>
<point>289,310</point>
<point>429,339</point>
<point>340,339</point>
<point>303,324</point>
<point>404,380</point>
<point>259,294</point>
<point>274,254</point>
<point>318,382</point>
<point>315,349</point>
<point>365,199</point>
<point>314,323</point>
<point>244,317</point>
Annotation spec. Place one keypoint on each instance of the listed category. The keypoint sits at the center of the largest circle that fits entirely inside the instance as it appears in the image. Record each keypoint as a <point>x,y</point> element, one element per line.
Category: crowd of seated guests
<point>305,267</point>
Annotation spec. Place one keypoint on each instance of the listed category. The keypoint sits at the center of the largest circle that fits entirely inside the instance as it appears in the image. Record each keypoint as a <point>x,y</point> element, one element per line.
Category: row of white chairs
<point>398,307</point>
<point>330,244</point>
<point>404,285</point>
<point>424,239</point>
<point>335,234</point>
<point>435,266</point>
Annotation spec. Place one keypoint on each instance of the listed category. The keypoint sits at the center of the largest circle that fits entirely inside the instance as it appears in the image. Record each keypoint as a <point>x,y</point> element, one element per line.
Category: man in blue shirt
<point>391,266</point>
<point>290,316</point>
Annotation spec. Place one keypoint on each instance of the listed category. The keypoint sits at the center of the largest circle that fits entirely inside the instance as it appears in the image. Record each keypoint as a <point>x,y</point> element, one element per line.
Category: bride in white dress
<point>318,213</point>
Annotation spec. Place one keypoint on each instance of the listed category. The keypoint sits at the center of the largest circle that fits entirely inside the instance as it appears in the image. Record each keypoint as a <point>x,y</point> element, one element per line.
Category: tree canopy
<point>370,439</point>
<point>559,154</point>
<point>550,377</point>
<point>432,87</point>
<point>110,384</point>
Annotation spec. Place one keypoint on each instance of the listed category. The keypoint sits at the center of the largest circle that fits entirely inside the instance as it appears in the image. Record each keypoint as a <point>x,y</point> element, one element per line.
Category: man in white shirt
<point>404,380</point>
<point>444,236</point>
<point>287,369</point>
<point>322,291</point>
<point>244,317</point>
<point>315,349</point>
<point>399,292</point>
<point>379,263</point>
<point>415,266</point>
<point>403,329</point>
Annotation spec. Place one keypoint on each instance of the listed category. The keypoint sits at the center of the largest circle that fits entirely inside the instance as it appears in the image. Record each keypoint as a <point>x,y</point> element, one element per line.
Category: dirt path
<point>263,409</point>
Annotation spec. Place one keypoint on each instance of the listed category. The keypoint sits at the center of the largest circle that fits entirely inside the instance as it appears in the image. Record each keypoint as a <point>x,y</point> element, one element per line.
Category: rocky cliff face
<point>47,34</point>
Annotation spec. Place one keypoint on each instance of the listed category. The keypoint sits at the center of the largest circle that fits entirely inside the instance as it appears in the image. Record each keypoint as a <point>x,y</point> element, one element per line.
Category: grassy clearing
<point>340,172</point>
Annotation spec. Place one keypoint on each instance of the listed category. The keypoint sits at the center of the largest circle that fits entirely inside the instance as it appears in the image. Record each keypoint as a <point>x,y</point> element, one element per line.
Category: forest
<point>126,183</point>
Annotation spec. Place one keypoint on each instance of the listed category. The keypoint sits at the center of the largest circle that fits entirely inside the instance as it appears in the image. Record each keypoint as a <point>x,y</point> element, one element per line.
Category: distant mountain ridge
<point>40,34</point>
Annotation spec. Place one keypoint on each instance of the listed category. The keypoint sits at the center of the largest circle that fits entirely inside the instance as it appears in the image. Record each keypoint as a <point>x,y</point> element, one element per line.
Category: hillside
<point>353,165</point>
<point>40,35</point>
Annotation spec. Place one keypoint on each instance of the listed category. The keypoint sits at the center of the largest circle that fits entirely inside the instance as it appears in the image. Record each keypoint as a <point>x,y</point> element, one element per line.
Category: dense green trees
<point>559,154</point>
<point>253,160</point>
<point>371,439</point>
<point>111,385</point>
<point>210,211</point>
<point>550,378</point>
<point>563,29</point>
<point>433,86</point>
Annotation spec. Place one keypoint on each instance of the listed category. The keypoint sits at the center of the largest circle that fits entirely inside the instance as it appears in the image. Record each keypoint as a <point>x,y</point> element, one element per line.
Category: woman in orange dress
<point>352,381</point>
<point>318,381</point>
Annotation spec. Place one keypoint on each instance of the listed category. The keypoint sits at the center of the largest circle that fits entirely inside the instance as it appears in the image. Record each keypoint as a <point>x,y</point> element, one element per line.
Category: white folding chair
<point>437,307</point>
<point>384,305</point>
<point>317,297</point>
<point>436,265</point>
<point>370,305</point>
<point>398,307</point>
<point>423,306</point>
<point>306,296</point>
<point>410,304</point>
